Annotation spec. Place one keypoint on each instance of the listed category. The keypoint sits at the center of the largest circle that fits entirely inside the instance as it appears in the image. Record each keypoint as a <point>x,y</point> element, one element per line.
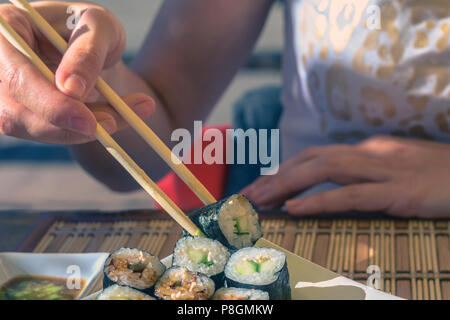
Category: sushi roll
<point>117,292</point>
<point>133,268</point>
<point>202,255</point>
<point>240,294</point>
<point>259,268</point>
<point>178,283</point>
<point>232,221</point>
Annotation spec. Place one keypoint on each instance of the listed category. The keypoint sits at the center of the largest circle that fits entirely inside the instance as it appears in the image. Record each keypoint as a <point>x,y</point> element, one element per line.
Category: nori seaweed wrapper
<point>219,279</point>
<point>107,282</point>
<point>280,289</point>
<point>206,218</point>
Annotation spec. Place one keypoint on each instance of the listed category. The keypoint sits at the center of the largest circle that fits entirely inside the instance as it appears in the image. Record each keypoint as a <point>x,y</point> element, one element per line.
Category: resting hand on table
<point>66,112</point>
<point>402,177</point>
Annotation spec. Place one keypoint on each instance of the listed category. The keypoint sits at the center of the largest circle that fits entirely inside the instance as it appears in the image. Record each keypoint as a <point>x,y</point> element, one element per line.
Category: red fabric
<point>213,177</point>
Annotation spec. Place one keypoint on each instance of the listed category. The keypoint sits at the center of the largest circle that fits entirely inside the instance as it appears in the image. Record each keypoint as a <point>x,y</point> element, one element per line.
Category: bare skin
<point>191,54</point>
<point>32,108</point>
<point>402,177</point>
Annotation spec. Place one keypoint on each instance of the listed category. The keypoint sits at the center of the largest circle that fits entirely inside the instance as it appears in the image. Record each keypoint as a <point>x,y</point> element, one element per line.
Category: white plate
<point>89,265</point>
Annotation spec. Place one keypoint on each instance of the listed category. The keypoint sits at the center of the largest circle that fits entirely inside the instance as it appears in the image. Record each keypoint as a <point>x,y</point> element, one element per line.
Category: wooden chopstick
<point>124,110</point>
<point>106,140</point>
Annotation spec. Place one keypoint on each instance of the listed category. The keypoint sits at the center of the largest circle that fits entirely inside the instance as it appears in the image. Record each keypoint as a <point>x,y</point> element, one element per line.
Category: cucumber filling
<point>248,267</point>
<point>239,230</point>
<point>200,256</point>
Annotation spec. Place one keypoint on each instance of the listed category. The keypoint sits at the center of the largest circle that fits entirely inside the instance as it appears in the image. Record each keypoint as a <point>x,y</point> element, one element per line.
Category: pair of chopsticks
<point>127,113</point>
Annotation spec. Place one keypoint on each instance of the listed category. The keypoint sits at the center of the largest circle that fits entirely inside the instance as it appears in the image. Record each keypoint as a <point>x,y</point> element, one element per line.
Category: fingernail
<point>76,85</point>
<point>80,125</point>
<point>143,109</point>
<point>109,125</point>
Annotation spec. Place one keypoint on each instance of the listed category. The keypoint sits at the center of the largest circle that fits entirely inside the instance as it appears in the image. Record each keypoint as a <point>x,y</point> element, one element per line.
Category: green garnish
<point>237,226</point>
<point>137,267</point>
<point>206,262</point>
<point>256,265</point>
<point>36,288</point>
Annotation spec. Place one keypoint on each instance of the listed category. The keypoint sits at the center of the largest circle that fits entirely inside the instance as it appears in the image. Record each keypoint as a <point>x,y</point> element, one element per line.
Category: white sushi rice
<point>238,207</point>
<point>116,268</point>
<point>240,294</point>
<point>216,252</point>
<point>254,253</point>
<point>117,292</point>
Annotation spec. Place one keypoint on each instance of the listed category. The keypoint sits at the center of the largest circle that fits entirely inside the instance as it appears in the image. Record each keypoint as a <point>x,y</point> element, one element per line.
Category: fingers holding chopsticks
<point>33,108</point>
<point>16,120</point>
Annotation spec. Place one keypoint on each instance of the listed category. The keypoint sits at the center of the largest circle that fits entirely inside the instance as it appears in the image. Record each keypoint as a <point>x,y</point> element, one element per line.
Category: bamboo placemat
<point>413,255</point>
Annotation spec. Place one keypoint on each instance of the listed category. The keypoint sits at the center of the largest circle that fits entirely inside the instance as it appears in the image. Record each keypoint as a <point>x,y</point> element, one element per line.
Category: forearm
<point>194,50</point>
<point>100,164</point>
<point>189,57</point>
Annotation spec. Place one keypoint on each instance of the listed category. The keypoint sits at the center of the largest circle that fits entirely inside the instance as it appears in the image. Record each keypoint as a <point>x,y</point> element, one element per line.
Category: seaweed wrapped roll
<point>259,268</point>
<point>240,294</point>
<point>178,283</point>
<point>232,221</point>
<point>202,255</point>
<point>133,268</point>
<point>117,292</point>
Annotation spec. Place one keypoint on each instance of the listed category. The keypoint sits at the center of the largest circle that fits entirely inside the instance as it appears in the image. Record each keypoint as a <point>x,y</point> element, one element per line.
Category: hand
<point>402,177</point>
<point>35,109</point>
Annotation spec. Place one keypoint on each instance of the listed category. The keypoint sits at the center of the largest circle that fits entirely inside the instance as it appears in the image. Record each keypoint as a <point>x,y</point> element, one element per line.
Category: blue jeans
<point>257,109</point>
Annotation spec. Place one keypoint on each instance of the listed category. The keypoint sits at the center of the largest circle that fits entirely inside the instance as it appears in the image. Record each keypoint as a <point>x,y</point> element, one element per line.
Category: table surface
<point>14,227</point>
<point>413,255</point>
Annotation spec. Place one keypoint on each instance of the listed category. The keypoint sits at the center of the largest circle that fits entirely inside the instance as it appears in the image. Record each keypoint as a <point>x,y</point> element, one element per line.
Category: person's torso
<point>355,68</point>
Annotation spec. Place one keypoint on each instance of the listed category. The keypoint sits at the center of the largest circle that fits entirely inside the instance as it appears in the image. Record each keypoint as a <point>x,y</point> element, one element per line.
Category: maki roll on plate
<point>259,268</point>
<point>117,292</point>
<point>202,255</point>
<point>133,268</point>
<point>232,221</point>
<point>178,283</point>
<point>240,294</point>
